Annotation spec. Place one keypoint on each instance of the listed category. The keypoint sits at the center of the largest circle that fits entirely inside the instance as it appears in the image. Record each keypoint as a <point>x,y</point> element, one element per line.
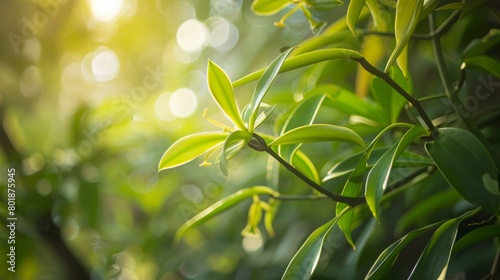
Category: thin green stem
<point>386,78</point>
<point>298,197</point>
<point>259,144</point>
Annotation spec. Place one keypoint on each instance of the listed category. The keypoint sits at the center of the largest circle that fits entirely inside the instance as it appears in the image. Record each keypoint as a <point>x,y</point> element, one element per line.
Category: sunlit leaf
<point>407,16</point>
<point>303,60</point>
<point>235,137</point>
<point>222,91</point>
<point>263,86</point>
<point>353,11</point>
<point>378,177</point>
<point>264,115</point>
<point>221,206</point>
<point>483,62</point>
<point>190,147</point>
<point>434,260</point>
<point>305,260</point>
<point>254,217</point>
<point>467,166</point>
<point>476,236</point>
<point>382,266</point>
<point>323,5</point>
<point>302,114</point>
<point>318,133</point>
<point>269,7</point>
<point>305,165</point>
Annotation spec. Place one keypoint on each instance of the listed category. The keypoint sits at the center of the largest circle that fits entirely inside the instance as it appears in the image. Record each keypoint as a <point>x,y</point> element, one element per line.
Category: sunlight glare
<point>106,10</point>
<point>192,36</point>
<point>105,64</point>
<point>183,103</point>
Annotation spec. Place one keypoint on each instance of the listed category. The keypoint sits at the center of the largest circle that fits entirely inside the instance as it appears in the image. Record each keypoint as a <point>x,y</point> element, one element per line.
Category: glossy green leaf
<point>407,17</point>
<point>269,7</point>
<point>426,207</point>
<point>388,98</point>
<point>378,177</point>
<point>382,266</point>
<point>353,11</point>
<point>305,165</point>
<point>236,137</point>
<point>304,262</point>
<point>263,86</point>
<point>434,260</point>
<point>190,147</point>
<point>481,46</point>
<point>302,114</point>
<point>475,237</point>
<point>303,60</point>
<point>221,89</point>
<point>467,166</point>
<point>318,133</point>
<point>483,62</point>
<point>324,5</point>
<point>221,206</point>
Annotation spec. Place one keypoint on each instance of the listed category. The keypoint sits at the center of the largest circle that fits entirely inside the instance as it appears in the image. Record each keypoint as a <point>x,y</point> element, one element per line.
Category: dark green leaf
<point>476,236</point>
<point>467,166</point>
<point>483,62</point>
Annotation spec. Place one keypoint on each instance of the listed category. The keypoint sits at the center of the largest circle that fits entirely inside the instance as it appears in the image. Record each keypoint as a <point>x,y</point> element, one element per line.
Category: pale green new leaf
<point>318,133</point>
<point>306,258</point>
<point>353,11</point>
<point>222,91</point>
<point>269,7</point>
<point>434,260</point>
<point>221,206</point>
<point>378,177</point>
<point>263,86</point>
<point>407,17</point>
<point>190,147</point>
<point>238,137</point>
<point>467,165</point>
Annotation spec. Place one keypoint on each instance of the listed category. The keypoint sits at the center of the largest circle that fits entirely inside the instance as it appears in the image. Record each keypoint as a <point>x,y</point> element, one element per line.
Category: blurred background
<point>91,95</point>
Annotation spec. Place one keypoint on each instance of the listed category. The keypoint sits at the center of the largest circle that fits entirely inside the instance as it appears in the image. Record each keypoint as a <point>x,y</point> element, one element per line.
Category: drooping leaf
<point>254,217</point>
<point>475,237</point>
<point>378,177</point>
<point>302,114</point>
<point>263,86</point>
<point>353,11</point>
<point>221,206</point>
<point>190,147</point>
<point>269,7</point>
<point>382,266</point>
<point>388,98</point>
<point>222,91</point>
<point>306,258</point>
<point>434,260</point>
<point>318,133</point>
<point>270,214</point>
<point>238,137</point>
<point>467,166</point>
<point>303,60</point>
<point>407,17</point>
<point>483,62</point>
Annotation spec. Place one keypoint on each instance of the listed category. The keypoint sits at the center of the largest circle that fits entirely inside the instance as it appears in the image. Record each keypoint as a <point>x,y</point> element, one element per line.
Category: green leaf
<point>476,236</point>
<point>388,98</point>
<point>378,177</point>
<point>434,260</point>
<point>238,137</point>
<point>269,7</point>
<point>382,266</point>
<point>483,62</point>
<point>304,262</point>
<point>302,114</point>
<point>263,86</point>
<point>303,60</point>
<point>407,16</point>
<point>467,166</point>
<point>324,5</point>
<point>264,115</point>
<point>471,5</point>
<point>305,165</point>
<point>190,147</point>
<point>221,89</point>
<point>221,206</point>
<point>353,11</point>
<point>318,133</point>
<point>481,46</point>
<point>316,26</point>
